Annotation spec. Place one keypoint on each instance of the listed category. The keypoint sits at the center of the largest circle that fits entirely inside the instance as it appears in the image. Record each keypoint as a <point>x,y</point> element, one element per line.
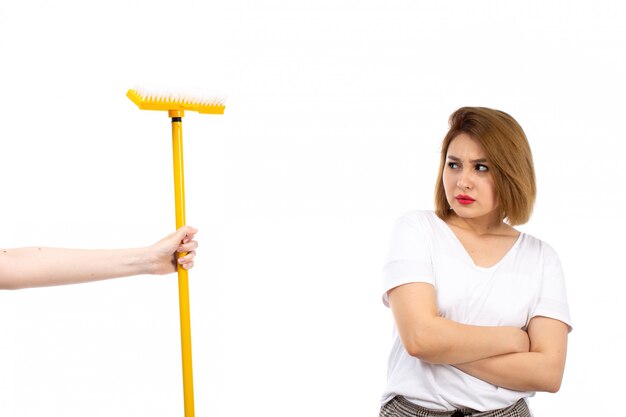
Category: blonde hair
<point>509,155</point>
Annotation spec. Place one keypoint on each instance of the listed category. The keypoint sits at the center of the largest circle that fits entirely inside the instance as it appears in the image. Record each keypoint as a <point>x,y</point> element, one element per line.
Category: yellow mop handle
<point>183,282</point>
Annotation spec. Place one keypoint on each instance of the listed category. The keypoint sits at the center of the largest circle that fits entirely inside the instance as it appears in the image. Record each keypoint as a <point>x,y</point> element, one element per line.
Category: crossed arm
<point>504,356</point>
<point>40,266</point>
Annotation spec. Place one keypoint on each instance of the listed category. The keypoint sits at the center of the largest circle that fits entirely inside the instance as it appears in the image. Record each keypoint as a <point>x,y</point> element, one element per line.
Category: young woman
<point>480,309</point>
<point>40,267</point>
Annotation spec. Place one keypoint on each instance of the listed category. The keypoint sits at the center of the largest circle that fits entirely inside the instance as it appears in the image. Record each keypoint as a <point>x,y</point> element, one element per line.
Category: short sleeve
<point>552,300</point>
<point>409,257</point>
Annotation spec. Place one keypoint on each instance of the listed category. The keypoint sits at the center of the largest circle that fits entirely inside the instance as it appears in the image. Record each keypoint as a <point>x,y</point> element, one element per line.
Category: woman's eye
<point>453,165</point>
<point>482,168</point>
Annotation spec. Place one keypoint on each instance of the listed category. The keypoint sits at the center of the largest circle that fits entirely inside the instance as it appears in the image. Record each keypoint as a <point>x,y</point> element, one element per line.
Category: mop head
<point>167,100</point>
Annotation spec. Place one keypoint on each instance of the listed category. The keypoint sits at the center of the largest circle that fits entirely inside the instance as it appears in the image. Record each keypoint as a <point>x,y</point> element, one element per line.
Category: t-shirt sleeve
<point>409,258</point>
<point>552,301</point>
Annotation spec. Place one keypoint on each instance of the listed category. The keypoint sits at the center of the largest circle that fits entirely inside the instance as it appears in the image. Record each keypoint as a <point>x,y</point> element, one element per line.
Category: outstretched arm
<point>40,266</point>
<point>541,369</point>
<point>435,339</point>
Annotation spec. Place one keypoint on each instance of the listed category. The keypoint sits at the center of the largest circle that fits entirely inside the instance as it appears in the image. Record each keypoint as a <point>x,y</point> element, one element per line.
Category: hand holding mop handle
<point>176,105</point>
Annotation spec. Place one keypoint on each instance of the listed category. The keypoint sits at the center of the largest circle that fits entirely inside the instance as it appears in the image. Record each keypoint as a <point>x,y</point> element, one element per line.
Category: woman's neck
<point>484,225</point>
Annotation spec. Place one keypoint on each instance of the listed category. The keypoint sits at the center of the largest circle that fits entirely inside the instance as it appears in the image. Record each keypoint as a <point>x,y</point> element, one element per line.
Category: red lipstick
<point>464,199</point>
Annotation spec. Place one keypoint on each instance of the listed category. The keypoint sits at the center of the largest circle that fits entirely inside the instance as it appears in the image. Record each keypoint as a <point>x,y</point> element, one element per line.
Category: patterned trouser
<point>401,407</point>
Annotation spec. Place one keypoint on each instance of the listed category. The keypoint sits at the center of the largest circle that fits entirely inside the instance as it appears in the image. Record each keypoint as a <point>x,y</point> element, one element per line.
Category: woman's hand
<point>165,252</point>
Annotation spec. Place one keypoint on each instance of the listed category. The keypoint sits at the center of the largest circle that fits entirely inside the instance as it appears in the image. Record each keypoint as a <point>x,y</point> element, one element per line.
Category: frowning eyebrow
<point>474,161</point>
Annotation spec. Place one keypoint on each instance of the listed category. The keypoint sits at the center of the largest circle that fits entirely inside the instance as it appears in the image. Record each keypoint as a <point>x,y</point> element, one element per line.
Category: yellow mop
<point>175,105</point>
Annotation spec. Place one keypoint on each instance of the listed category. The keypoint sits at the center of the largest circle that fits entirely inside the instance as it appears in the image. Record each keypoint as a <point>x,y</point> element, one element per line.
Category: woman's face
<point>467,181</point>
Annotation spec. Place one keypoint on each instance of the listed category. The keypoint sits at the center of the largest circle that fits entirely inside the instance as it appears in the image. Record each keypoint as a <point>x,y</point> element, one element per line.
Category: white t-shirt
<point>526,282</point>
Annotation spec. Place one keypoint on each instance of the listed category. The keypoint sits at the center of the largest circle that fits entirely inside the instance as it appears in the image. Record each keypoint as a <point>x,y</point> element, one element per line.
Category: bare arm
<point>541,369</point>
<point>40,267</point>
<point>435,339</point>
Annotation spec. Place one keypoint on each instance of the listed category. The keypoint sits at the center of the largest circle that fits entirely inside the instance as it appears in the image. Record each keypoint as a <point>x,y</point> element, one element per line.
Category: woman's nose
<point>464,180</point>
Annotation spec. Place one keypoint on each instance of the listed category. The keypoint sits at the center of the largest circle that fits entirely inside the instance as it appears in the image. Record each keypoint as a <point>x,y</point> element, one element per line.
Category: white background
<point>335,112</point>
